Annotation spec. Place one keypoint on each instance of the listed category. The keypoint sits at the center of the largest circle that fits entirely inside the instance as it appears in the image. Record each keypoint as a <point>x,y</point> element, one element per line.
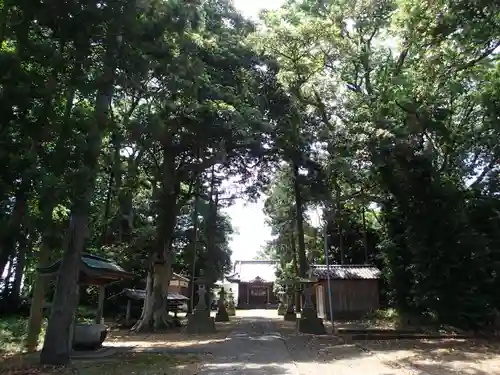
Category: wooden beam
<point>127,314</point>
<point>100,307</point>
<point>73,320</point>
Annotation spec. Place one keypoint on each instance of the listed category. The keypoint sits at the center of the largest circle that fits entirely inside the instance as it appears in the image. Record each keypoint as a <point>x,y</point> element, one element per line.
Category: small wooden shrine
<point>98,271</point>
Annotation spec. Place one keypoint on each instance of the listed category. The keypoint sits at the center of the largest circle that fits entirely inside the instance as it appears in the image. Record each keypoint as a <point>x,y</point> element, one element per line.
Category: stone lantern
<point>222,315</point>
<point>282,304</point>
<point>290,314</point>
<point>201,321</point>
<point>309,321</point>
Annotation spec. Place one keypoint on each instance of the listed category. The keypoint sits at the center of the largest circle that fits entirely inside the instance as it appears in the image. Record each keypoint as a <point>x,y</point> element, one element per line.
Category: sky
<point>251,8</point>
<point>251,232</point>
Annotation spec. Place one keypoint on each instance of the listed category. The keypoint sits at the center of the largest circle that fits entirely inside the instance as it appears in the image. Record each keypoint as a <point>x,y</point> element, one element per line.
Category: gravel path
<point>260,346</point>
<point>254,348</point>
<point>263,344</point>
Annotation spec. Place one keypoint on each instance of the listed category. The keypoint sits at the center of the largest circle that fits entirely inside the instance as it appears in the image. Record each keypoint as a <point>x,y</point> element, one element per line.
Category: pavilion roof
<point>94,270</point>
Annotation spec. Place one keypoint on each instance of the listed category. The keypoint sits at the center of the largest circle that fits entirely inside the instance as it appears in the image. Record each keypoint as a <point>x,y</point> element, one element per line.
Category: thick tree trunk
<point>57,344</point>
<point>154,311</point>
<point>56,347</point>
<point>155,303</point>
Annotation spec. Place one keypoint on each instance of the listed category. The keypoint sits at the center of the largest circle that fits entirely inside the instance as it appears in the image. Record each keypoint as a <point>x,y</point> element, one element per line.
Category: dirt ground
<point>309,354</point>
<point>170,339</point>
<point>332,354</point>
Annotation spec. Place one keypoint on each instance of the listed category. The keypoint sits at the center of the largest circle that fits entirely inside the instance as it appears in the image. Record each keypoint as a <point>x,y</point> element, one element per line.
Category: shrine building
<point>255,280</point>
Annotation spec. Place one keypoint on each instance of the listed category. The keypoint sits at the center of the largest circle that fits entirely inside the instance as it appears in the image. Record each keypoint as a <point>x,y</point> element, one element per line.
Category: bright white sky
<point>251,8</point>
<point>247,218</point>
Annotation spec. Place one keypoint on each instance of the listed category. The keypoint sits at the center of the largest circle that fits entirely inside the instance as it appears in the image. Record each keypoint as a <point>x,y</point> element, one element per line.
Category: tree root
<point>159,323</point>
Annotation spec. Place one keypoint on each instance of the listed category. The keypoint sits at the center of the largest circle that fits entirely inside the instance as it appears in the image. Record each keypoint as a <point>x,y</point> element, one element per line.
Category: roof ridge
<point>344,265</point>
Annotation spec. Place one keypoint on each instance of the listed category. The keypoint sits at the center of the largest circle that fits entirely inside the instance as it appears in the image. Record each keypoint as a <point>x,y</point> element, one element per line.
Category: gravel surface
<point>263,344</point>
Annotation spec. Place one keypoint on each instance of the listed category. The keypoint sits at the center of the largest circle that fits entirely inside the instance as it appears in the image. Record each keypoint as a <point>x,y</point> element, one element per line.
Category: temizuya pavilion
<point>98,271</point>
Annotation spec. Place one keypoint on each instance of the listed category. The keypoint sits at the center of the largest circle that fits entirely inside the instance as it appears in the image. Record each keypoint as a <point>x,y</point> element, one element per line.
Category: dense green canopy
<point>122,121</point>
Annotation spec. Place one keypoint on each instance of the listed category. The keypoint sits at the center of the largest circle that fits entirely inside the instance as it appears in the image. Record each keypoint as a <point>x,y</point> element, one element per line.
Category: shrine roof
<point>253,271</point>
<point>345,271</point>
<point>93,270</point>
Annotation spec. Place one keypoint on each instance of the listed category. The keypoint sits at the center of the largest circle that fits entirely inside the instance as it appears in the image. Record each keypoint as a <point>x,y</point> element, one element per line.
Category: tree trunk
<point>57,344</point>
<point>299,222</point>
<point>365,233</point>
<point>38,297</point>
<point>107,209</point>
<point>296,269</point>
<point>11,233</point>
<point>19,271</point>
<point>155,303</point>
<point>195,245</point>
<point>154,312</point>
<point>338,218</point>
<point>8,276</point>
<point>56,347</point>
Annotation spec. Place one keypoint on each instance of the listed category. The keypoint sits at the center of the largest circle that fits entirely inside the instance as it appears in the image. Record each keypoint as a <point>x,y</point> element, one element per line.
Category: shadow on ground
<point>246,344</point>
<point>247,369</point>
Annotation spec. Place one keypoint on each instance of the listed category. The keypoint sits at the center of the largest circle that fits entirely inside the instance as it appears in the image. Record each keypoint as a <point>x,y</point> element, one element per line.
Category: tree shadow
<point>419,368</point>
<point>244,368</point>
<point>253,343</point>
<point>436,356</point>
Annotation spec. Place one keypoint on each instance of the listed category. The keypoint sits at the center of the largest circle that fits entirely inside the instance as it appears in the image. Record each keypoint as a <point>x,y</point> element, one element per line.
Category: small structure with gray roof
<point>354,288</point>
<point>255,279</point>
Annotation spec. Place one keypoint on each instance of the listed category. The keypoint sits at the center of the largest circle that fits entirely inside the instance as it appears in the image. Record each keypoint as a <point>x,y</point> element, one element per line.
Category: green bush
<point>13,332</point>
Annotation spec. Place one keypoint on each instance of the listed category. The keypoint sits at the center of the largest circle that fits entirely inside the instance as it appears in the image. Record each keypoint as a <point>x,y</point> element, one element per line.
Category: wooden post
<point>127,313</point>
<point>73,322</point>
<point>267,295</point>
<point>248,294</point>
<point>100,307</point>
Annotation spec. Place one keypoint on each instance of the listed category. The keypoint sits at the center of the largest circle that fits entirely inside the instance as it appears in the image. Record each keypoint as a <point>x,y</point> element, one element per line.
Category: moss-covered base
<point>200,322</point>
<point>222,316</point>
<point>281,309</point>
<point>313,325</point>
<point>290,316</point>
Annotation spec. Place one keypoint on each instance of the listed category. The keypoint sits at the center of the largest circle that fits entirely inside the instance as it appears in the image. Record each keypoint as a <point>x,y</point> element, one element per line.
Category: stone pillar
<point>308,304</point>
<point>201,306</point>
<point>290,312</point>
<point>222,315</point>
<point>309,321</point>
<point>201,321</point>
<point>71,337</point>
<point>100,307</point>
<point>127,313</point>
<point>282,305</point>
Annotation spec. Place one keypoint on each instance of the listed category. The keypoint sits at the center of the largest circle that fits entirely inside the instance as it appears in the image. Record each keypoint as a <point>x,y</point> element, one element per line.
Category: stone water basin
<point>89,336</point>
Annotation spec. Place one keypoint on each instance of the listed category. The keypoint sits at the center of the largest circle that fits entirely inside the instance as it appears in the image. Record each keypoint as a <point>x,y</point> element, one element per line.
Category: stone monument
<point>231,310</point>
<point>201,321</point>
<point>309,321</point>
<point>282,304</point>
<point>222,315</point>
<point>290,314</point>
